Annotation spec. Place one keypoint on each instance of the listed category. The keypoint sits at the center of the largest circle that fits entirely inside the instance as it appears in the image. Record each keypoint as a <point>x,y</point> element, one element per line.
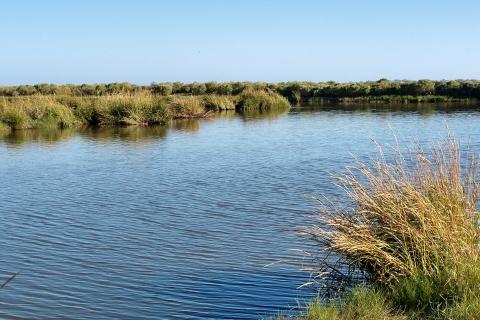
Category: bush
<point>163,89</point>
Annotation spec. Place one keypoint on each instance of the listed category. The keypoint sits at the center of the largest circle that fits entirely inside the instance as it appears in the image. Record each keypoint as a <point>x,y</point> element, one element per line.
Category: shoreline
<point>64,106</point>
<point>146,109</point>
<point>142,109</point>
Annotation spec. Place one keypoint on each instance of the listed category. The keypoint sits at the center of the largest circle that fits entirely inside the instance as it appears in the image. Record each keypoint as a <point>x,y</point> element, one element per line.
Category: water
<point>193,221</point>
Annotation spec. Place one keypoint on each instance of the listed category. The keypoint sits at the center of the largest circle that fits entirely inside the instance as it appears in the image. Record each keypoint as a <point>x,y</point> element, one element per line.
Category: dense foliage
<point>294,91</point>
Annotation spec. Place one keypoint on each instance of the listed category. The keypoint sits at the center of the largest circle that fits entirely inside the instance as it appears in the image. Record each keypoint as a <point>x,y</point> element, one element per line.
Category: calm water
<point>194,221</point>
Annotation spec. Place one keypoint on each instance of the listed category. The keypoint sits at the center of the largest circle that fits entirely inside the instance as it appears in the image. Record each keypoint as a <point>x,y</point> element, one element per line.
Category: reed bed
<point>139,108</point>
<point>30,112</point>
<point>412,232</point>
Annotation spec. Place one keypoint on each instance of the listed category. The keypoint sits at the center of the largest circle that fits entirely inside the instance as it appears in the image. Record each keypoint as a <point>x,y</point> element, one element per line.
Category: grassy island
<point>139,108</point>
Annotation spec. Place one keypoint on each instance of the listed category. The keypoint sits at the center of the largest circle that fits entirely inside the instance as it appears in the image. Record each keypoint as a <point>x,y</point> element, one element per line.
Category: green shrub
<point>163,89</point>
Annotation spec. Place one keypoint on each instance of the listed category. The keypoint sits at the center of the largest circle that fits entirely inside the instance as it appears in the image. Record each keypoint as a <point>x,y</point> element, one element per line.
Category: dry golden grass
<point>410,216</point>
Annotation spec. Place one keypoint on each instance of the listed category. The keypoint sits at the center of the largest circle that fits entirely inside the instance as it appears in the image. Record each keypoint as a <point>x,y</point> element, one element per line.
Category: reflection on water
<point>129,133</point>
<point>192,220</point>
<point>225,114</point>
<point>420,108</point>
<point>189,125</point>
<point>251,115</point>
<point>19,137</point>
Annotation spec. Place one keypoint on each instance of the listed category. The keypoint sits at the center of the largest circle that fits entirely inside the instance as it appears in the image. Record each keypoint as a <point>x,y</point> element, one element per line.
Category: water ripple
<point>178,224</point>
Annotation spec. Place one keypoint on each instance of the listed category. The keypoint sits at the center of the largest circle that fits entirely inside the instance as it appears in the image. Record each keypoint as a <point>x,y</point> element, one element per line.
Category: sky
<point>142,41</point>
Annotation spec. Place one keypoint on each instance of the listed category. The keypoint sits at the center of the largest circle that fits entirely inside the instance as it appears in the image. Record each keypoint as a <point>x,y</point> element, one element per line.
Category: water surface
<point>190,221</point>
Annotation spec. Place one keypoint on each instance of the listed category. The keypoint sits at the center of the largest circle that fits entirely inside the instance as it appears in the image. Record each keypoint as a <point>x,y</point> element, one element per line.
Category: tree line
<point>295,91</point>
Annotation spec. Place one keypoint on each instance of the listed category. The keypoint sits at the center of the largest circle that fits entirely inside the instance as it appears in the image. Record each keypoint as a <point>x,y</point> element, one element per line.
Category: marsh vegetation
<point>381,90</point>
<point>62,106</point>
<point>412,234</point>
<point>140,108</point>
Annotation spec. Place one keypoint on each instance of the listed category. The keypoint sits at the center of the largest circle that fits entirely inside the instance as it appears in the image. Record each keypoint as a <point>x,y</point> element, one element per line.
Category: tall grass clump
<point>124,109</point>
<point>262,100</point>
<point>35,112</point>
<point>15,119</point>
<point>186,106</point>
<point>219,103</point>
<point>412,231</point>
<point>120,109</point>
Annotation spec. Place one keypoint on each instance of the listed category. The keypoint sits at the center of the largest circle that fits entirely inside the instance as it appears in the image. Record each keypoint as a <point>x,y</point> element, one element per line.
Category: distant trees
<point>163,89</point>
<point>294,91</point>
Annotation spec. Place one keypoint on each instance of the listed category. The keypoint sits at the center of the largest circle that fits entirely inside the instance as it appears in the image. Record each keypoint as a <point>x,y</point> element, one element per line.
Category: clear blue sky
<point>141,41</point>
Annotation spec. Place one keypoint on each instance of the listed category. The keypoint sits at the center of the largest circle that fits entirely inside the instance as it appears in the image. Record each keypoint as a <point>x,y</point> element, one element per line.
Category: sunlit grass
<point>141,108</point>
<point>413,231</point>
<point>262,100</point>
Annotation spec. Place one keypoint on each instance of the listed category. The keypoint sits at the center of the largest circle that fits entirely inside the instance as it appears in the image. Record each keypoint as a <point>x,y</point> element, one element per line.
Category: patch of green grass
<point>34,112</point>
<point>365,304</point>
<point>186,106</point>
<point>51,115</point>
<point>321,311</point>
<point>467,308</point>
<point>219,103</point>
<point>141,108</point>
<point>262,100</point>
<point>15,119</point>
<point>449,293</point>
<point>359,304</point>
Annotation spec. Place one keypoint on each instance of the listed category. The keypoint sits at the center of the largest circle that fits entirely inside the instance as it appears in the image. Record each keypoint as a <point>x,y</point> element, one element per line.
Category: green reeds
<point>138,109</point>
<point>262,100</point>
<point>36,111</point>
<point>186,107</point>
<point>219,103</point>
<point>361,303</point>
<point>141,108</point>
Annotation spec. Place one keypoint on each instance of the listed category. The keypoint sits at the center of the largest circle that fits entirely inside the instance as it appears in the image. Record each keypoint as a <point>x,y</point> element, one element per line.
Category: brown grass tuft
<point>410,216</point>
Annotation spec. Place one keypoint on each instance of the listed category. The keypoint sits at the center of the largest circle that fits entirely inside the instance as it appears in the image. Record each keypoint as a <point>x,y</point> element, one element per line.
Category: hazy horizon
<point>145,41</point>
